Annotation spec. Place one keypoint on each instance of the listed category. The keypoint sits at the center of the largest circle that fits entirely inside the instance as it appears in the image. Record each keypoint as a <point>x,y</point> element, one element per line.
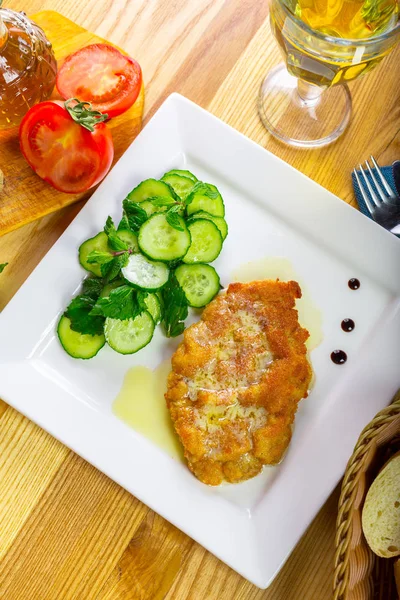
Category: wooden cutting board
<point>25,197</point>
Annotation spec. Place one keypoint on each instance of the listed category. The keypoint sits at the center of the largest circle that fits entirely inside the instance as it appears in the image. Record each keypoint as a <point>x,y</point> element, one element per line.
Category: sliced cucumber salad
<point>149,269</point>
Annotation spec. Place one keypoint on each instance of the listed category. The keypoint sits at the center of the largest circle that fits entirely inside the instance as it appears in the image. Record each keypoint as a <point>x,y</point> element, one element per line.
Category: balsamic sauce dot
<point>338,357</point>
<point>354,283</point>
<point>348,325</point>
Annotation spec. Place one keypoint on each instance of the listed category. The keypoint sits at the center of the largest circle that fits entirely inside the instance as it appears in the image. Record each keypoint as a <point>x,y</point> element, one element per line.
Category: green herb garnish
<point>175,307</point>
<point>80,308</point>
<point>123,303</point>
<point>134,214</point>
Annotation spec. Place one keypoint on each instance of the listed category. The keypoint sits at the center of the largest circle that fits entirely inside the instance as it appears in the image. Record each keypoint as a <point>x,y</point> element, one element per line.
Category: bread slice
<point>381,512</point>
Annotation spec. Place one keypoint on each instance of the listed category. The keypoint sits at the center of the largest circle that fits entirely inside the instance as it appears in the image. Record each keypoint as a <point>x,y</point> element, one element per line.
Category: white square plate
<point>272,210</point>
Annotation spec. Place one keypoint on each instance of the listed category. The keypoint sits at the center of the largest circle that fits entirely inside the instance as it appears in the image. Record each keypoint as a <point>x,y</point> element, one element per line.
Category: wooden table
<point>66,530</point>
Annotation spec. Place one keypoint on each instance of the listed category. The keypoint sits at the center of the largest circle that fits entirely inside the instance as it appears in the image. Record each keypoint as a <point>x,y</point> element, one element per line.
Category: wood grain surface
<point>66,531</point>
<point>25,197</point>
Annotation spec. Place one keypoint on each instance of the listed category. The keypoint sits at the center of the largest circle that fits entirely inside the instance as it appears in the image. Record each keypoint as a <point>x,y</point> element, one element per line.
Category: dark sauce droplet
<point>348,325</point>
<point>338,357</point>
<point>354,283</point>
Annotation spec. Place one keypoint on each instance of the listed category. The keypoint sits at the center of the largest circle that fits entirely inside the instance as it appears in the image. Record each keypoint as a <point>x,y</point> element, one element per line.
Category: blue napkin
<point>387,173</point>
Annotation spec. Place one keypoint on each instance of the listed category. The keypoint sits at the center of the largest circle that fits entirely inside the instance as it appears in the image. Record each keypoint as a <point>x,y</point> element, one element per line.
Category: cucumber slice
<point>109,287</point>
<point>180,184</point>
<point>126,235</point>
<point>219,222</point>
<point>144,273</point>
<point>199,282</point>
<point>199,200</point>
<point>182,172</point>
<point>98,242</point>
<point>160,241</point>
<point>130,335</point>
<point>149,188</point>
<point>154,307</point>
<point>206,242</point>
<point>77,344</point>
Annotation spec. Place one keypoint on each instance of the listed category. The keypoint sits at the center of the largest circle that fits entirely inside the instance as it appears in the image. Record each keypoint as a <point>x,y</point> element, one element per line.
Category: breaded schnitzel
<point>236,380</point>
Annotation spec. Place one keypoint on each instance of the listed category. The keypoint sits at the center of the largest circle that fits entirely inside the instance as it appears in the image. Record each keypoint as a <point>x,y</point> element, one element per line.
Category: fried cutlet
<point>236,380</point>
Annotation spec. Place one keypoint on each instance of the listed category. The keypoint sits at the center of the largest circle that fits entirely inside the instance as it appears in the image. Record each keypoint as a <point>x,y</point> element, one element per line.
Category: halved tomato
<point>103,76</point>
<point>61,151</point>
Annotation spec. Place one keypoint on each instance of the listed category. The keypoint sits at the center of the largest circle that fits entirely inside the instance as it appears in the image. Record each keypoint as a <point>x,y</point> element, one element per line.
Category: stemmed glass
<point>306,102</point>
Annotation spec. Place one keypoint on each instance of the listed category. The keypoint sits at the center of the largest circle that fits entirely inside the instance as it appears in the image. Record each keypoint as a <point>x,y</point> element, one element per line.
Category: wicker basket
<point>359,573</point>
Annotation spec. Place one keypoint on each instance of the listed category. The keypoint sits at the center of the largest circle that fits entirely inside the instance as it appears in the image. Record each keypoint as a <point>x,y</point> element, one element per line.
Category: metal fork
<point>386,209</point>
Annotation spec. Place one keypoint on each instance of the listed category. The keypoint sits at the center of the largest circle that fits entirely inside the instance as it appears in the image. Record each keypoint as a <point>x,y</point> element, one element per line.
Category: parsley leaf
<point>114,240</point>
<point>175,307</point>
<point>3,266</point>
<point>78,311</point>
<point>134,213</point>
<point>173,217</point>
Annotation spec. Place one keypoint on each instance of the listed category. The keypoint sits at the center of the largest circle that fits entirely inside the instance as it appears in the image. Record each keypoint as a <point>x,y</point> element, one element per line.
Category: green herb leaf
<point>114,241</point>
<point>122,303</point>
<point>135,214</point>
<point>111,269</point>
<point>99,257</point>
<point>162,201</point>
<point>79,310</point>
<point>123,224</point>
<point>92,285</point>
<point>203,189</point>
<point>173,217</point>
<point>175,307</point>
<point>196,188</point>
<point>3,266</point>
<point>141,297</point>
<point>210,193</point>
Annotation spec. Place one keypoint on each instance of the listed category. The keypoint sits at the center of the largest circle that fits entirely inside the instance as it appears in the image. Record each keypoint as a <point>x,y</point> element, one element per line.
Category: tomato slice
<point>102,75</point>
<point>62,152</point>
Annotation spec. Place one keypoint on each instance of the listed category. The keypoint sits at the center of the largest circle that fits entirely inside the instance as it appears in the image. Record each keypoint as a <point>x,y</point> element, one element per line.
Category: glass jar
<point>27,66</point>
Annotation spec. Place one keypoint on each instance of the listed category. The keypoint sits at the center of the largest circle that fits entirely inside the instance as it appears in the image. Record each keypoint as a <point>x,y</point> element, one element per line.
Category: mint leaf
<point>210,193</point>
<point>173,217</point>
<point>80,308</point>
<point>162,201</point>
<point>134,213</point>
<point>99,257</point>
<point>114,241</point>
<point>141,297</point>
<point>195,189</point>
<point>175,307</point>
<point>123,224</point>
<point>92,285</point>
<point>3,266</point>
<point>122,303</point>
<point>111,269</point>
<point>110,264</point>
<point>203,189</point>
